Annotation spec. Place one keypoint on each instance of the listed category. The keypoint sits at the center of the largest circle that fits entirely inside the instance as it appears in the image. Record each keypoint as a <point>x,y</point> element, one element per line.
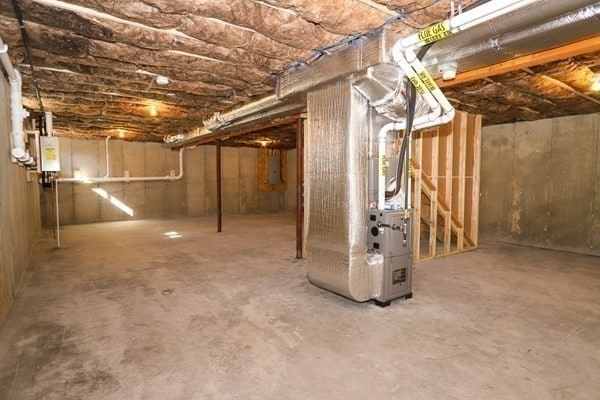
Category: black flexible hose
<point>25,38</point>
<point>411,100</point>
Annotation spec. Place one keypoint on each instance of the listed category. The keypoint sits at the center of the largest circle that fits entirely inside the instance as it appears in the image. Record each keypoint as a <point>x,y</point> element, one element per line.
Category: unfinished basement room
<point>299,199</point>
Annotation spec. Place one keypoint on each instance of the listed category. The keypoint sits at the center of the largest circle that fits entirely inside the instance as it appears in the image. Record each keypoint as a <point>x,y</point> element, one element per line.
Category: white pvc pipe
<point>468,19</point>
<point>49,124</point>
<point>37,150</point>
<point>17,111</point>
<point>6,60</point>
<point>17,114</point>
<point>107,159</point>
<point>381,138</point>
<point>431,85</point>
<point>116,179</point>
<point>419,123</point>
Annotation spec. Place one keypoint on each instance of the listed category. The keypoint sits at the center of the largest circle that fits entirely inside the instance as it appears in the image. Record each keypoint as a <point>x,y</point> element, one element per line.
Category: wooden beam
<point>543,57</point>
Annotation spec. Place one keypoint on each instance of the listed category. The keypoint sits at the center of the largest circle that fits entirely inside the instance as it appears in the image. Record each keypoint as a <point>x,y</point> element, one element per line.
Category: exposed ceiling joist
<point>570,89</point>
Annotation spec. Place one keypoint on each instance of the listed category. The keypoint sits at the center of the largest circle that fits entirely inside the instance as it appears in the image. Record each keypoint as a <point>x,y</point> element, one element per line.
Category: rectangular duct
<point>336,190</point>
<point>357,56</point>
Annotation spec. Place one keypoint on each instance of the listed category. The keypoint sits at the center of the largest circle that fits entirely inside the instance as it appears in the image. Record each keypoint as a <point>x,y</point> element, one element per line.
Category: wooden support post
<point>418,151</point>
<point>462,163</point>
<point>435,149</point>
<point>299,186</point>
<point>449,140</point>
<point>476,182</point>
<point>219,202</point>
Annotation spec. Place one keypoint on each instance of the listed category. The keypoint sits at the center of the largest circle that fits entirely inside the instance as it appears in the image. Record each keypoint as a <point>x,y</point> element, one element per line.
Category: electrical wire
<point>25,37</point>
<point>411,100</point>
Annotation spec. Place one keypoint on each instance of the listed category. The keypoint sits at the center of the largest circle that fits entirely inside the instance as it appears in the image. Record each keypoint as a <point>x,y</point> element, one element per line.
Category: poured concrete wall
<point>193,195</point>
<point>19,212</point>
<point>540,183</point>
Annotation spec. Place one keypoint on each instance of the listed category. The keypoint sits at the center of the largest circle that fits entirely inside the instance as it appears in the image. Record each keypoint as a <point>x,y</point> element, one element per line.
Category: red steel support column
<point>219,205</point>
<point>299,186</point>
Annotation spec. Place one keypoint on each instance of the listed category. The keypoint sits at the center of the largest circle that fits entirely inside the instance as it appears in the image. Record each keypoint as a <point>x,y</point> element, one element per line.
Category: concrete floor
<point>124,312</point>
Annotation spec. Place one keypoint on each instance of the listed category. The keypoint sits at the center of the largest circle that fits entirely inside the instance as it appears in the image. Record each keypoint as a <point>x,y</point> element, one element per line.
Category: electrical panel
<point>50,154</point>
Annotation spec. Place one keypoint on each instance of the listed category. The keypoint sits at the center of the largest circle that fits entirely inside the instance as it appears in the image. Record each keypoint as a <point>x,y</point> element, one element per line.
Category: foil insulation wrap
<point>542,25</point>
<point>336,151</point>
<point>357,56</point>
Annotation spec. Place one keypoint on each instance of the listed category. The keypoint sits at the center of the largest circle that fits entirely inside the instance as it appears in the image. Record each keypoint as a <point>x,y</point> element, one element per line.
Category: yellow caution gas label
<point>435,32</point>
<point>418,83</point>
<point>428,80</point>
<point>383,165</point>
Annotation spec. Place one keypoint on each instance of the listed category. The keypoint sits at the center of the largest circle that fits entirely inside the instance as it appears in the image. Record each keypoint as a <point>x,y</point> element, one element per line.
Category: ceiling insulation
<point>97,60</point>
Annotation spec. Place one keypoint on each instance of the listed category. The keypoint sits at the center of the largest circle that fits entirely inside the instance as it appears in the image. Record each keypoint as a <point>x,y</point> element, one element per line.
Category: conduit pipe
<point>18,113</point>
<point>115,179</point>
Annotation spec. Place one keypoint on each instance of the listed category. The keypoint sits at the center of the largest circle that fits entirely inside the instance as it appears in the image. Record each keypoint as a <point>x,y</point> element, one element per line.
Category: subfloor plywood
<point>122,311</point>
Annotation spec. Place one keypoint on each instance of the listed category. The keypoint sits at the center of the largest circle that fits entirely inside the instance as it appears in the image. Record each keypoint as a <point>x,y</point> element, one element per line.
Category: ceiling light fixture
<point>263,142</point>
<point>153,110</point>
<point>595,84</point>
<point>121,133</point>
<point>162,80</point>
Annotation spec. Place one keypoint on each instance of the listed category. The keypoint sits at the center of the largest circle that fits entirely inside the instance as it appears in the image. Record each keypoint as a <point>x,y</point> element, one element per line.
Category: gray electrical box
<point>49,149</point>
<point>274,169</point>
<point>390,235</point>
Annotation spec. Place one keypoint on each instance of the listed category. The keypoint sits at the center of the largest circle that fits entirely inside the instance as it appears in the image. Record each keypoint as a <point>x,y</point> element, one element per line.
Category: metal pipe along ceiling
<point>540,26</point>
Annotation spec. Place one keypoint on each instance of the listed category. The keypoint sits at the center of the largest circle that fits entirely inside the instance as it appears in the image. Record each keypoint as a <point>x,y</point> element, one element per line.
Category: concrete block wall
<point>19,212</point>
<point>193,195</point>
<point>540,183</point>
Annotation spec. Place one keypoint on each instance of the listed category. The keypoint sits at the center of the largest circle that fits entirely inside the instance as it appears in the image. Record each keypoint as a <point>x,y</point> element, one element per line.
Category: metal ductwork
<point>358,240</point>
<point>540,26</point>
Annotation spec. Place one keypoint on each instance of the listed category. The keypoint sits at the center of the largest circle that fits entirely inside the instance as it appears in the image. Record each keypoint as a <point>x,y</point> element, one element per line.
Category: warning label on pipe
<point>435,32</point>
<point>428,81</point>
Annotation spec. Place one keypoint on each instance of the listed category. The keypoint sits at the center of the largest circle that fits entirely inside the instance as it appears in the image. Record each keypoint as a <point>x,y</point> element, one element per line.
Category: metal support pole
<point>219,205</point>
<point>57,214</point>
<point>299,186</point>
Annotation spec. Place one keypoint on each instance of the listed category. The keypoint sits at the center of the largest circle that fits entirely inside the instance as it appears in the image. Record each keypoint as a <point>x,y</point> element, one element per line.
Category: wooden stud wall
<point>445,170</point>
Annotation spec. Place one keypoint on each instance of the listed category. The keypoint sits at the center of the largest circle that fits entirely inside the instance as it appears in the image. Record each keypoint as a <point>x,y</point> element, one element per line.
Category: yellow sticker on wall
<point>435,32</point>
